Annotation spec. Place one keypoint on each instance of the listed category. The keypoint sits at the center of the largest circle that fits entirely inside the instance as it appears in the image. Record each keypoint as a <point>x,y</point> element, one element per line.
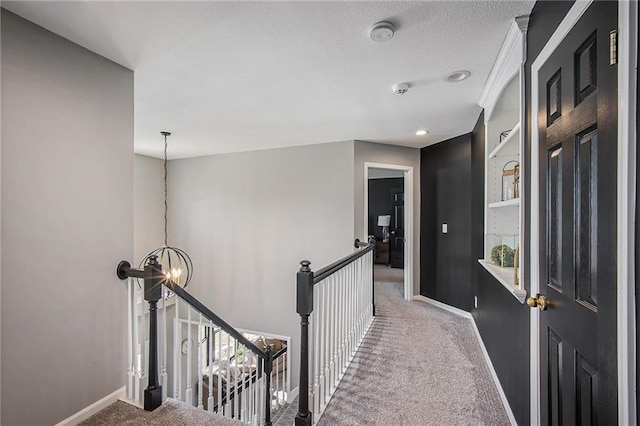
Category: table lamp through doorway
<point>384,221</point>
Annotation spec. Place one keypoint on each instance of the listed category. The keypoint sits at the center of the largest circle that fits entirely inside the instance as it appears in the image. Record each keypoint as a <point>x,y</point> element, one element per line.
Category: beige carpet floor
<point>418,365</point>
<point>387,274</point>
<point>170,413</point>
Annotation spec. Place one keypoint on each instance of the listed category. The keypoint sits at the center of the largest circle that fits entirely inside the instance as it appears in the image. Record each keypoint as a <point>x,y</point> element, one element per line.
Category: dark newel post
<point>372,240</point>
<point>153,293</point>
<point>304,307</point>
<point>268,368</point>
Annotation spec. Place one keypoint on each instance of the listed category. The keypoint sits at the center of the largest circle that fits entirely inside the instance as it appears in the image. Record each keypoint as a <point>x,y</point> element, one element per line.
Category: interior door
<point>396,239</point>
<point>578,149</point>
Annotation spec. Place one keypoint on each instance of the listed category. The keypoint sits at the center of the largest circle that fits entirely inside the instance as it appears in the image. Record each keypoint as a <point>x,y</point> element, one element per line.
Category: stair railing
<point>233,377</point>
<point>341,298</point>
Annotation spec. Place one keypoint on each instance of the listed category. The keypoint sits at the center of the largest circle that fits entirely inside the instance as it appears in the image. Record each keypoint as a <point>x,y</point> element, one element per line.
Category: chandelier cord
<point>165,190</point>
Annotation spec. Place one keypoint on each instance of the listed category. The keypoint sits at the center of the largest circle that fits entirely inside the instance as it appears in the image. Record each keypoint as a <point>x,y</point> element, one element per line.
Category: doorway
<point>580,254</point>
<point>388,217</point>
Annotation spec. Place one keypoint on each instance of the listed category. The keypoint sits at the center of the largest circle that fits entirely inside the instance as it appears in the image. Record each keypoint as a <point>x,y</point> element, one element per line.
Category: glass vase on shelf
<point>510,180</point>
<point>503,249</point>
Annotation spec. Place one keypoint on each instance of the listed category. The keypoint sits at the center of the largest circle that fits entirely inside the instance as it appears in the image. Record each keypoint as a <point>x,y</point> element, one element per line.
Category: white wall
<point>247,220</point>
<point>148,206</point>
<point>367,152</point>
<point>67,219</point>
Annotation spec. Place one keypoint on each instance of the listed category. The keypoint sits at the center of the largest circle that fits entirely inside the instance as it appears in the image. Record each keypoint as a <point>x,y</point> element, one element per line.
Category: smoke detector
<point>382,31</point>
<point>401,89</point>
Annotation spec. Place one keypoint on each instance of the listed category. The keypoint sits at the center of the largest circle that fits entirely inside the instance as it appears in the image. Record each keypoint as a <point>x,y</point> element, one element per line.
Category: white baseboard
<point>293,394</point>
<point>444,306</point>
<point>505,402</point>
<point>94,408</point>
<point>468,315</point>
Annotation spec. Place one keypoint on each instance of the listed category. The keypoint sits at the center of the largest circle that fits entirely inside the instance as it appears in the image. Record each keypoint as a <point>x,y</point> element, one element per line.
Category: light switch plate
<point>444,228</point>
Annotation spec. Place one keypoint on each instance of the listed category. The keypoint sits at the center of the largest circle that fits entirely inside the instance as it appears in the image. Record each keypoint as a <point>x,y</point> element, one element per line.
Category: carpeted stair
<point>171,413</point>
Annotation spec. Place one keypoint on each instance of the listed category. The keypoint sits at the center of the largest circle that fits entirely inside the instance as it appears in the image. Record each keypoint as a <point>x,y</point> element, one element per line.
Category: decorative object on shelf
<point>502,255</point>
<point>510,180</point>
<point>384,221</point>
<point>176,263</point>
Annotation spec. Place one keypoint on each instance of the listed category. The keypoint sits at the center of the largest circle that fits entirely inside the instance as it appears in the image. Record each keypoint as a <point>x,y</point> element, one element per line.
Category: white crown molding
<point>505,67</point>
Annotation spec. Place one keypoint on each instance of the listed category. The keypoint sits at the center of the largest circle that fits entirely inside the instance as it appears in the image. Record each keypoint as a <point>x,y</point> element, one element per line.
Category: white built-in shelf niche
<point>503,103</point>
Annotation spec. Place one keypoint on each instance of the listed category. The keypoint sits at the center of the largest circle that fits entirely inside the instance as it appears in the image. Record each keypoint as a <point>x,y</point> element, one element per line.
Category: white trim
<point>503,396</point>
<point>453,310</point>
<point>408,218</point>
<point>507,281</point>
<point>94,408</point>
<point>465,314</point>
<point>504,69</point>
<point>627,50</point>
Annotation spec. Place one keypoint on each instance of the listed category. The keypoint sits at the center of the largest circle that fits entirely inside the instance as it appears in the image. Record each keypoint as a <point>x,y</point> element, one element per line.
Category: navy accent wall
<point>380,201</point>
<point>445,264</point>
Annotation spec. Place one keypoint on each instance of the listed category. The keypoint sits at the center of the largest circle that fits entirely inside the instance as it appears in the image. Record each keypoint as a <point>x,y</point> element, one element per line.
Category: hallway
<point>418,365</point>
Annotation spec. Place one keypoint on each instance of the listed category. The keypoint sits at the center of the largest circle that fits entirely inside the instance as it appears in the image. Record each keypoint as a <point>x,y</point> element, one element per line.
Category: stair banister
<point>153,279</point>
<point>304,307</point>
<point>306,279</point>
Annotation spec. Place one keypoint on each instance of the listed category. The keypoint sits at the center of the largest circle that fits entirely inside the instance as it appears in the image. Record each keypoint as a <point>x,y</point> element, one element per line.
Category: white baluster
<point>334,334</point>
<point>250,408</point>
<point>243,401</point>
<point>130,354</point>
<point>145,362</point>
<point>315,351</point>
<point>163,345</point>
<point>235,381</point>
<point>199,374</point>
<point>136,346</point>
<point>277,386</point>
<point>220,365</point>
<point>177,350</point>
<point>210,366</point>
<point>323,344</point>
<point>189,390</point>
<point>227,405</point>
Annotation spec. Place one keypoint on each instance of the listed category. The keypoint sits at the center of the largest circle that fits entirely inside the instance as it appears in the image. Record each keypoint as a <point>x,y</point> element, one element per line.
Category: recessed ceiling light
<point>381,31</point>
<point>457,76</point>
<point>421,132</point>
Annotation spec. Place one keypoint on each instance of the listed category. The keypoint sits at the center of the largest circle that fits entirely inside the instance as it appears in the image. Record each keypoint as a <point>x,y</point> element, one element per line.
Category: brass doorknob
<point>539,301</point>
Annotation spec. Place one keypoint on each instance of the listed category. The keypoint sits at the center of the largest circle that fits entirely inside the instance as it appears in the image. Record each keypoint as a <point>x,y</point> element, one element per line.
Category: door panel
<point>396,239</point>
<point>578,149</point>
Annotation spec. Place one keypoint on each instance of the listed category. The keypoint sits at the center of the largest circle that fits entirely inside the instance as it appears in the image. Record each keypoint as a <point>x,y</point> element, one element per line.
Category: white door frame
<point>627,38</point>
<point>408,218</point>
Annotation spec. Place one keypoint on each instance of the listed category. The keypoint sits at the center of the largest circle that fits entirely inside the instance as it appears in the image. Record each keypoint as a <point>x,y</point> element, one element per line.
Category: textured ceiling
<point>240,76</point>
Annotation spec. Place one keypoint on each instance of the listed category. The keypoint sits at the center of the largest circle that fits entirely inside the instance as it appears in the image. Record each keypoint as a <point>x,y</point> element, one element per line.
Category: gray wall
<point>148,205</point>
<point>247,220</point>
<point>367,152</point>
<point>67,219</point>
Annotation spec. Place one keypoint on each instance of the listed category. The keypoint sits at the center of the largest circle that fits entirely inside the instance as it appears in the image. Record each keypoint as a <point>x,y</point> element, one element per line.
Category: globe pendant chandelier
<point>176,263</point>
